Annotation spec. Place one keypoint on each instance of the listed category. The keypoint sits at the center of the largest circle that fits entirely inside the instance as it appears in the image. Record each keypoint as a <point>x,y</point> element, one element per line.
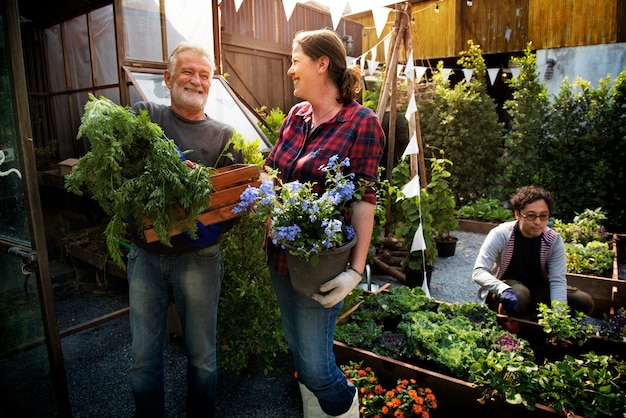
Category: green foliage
<point>526,134</point>
<point>463,121</point>
<point>486,209</point>
<point>560,326</point>
<point>134,171</point>
<point>409,213</point>
<point>594,258</point>
<point>273,120</point>
<point>586,227</point>
<point>585,130</point>
<point>442,206</point>
<point>249,333</point>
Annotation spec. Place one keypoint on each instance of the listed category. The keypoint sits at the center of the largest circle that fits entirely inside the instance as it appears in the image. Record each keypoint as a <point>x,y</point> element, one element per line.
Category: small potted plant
<point>442,206</point>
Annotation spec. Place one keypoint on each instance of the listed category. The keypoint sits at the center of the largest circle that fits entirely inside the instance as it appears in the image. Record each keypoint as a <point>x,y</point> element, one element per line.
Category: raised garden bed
<point>455,397</point>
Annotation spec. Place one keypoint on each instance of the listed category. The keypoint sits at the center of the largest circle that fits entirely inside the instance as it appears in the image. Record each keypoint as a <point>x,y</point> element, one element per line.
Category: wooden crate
<point>228,184</point>
<point>609,294</point>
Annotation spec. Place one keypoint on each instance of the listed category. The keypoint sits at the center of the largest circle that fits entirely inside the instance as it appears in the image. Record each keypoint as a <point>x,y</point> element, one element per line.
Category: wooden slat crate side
<point>608,294</point>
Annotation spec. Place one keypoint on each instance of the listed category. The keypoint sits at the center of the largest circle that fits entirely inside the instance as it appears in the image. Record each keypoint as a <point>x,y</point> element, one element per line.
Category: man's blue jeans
<point>194,281</point>
<point>310,330</point>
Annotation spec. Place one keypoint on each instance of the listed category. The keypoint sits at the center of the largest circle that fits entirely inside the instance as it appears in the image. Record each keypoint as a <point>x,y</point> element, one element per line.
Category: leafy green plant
<point>486,209</point>
<point>409,213</point>
<point>442,206</point>
<point>585,227</point>
<point>272,122</point>
<point>133,171</point>
<point>561,326</point>
<point>595,258</point>
<point>249,334</point>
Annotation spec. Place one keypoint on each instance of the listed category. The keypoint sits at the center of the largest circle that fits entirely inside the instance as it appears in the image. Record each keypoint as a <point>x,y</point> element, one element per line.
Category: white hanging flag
<point>412,188</point>
<point>380,14</point>
<point>418,240</point>
<point>411,108</point>
<point>515,71</point>
<point>467,72</point>
<point>386,43</point>
<point>419,73</point>
<point>238,5</point>
<point>409,70</point>
<point>289,5</point>
<point>493,73</point>
<point>362,63</point>
<point>445,72</point>
<point>373,51</point>
<point>336,11</point>
<point>425,286</point>
<point>371,66</point>
<point>411,147</point>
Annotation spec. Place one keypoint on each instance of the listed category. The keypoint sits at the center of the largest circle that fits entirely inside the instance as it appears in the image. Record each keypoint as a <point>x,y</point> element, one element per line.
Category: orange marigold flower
<point>379,389</point>
<point>404,382</point>
<point>390,394</point>
<point>417,409</point>
<point>425,414</point>
<point>361,373</point>
<point>412,393</point>
<point>419,400</point>
<point>373,379</point>
<point>413,381</point>
<point>427,390</point>
<point>398,414</point>
<point>384,410</point>
<point>430,397</point>
<point>394,403</point>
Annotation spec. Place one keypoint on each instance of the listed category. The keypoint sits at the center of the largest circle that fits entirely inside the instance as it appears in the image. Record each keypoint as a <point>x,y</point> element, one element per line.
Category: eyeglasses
<point>531,217</point>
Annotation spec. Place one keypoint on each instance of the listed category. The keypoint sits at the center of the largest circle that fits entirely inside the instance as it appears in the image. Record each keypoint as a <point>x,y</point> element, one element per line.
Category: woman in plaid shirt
<point>328,122</point>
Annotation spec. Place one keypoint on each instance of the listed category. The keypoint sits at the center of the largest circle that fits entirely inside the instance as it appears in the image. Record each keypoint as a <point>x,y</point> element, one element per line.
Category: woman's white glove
<point>335,290</point>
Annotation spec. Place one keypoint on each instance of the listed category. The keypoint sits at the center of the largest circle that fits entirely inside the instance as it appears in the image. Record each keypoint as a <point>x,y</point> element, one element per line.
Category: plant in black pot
<point>410,213</point>
<point>442,206</point>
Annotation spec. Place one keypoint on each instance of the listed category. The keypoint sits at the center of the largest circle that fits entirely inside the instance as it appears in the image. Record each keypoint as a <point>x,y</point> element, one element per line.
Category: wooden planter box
<point>478,227</point>
<point>228,183</point>
<point>455,397</point>
<point>609,294</point>
<point>99,261</point>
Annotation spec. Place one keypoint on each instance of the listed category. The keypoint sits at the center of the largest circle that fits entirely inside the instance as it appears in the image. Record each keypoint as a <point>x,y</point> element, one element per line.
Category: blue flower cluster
<point>301,220</point>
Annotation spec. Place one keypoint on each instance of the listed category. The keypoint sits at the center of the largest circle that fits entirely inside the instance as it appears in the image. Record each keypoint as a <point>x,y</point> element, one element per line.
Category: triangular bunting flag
<point>418,240</point>
<point>409,71</point>
<point>419,73</point>
<point>493,73</point>
<point>336,11</point>
<point>411,108</point>
<point>289,5</point>
<point>467,72</point>
<point>412,188</point>
<point>411,147</point>
<point>238,5</point>
<point>445,72</point>
<point>371,66</point>
<point>380,14</point>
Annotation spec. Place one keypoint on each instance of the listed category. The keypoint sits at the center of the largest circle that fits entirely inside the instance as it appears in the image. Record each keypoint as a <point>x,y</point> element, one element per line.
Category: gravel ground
<point>97,359</point>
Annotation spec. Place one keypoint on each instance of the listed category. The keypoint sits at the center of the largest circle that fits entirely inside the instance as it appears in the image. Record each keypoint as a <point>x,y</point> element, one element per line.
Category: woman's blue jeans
<point>310,329</point>
<point>193,282</point>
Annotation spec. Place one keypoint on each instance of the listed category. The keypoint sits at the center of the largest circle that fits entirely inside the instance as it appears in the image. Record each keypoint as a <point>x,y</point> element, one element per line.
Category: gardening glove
<point>207,235</point>
<point>335,290</point>
<point>508,299</point>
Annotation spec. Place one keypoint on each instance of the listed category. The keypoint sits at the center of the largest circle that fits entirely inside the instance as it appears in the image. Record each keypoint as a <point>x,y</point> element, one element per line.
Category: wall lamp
<point>551,63</point>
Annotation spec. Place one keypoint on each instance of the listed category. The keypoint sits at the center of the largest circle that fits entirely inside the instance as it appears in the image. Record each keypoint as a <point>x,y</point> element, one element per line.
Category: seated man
<point>522,263</point>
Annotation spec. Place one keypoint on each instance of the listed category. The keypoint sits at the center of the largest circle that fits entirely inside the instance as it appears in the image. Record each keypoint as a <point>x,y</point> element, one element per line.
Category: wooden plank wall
<point>548,24</point>
<point>256,48</point>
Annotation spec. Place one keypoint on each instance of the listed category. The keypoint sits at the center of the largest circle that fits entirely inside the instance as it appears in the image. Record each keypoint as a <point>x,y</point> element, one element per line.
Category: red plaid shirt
<point>354,132</point>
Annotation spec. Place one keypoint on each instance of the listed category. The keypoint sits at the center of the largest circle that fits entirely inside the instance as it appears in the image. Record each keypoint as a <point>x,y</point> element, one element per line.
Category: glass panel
<point>142,27</point>
<point>78,54</point>
<point>189,20</point>
<point>103,32</point>
<point>60,108</point>
<point>221,105</point>
<point>56,66</point>
<point>25,378</point>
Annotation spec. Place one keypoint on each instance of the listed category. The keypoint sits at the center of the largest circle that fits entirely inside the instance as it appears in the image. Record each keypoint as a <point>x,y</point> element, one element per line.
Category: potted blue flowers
<point>309,225</point>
